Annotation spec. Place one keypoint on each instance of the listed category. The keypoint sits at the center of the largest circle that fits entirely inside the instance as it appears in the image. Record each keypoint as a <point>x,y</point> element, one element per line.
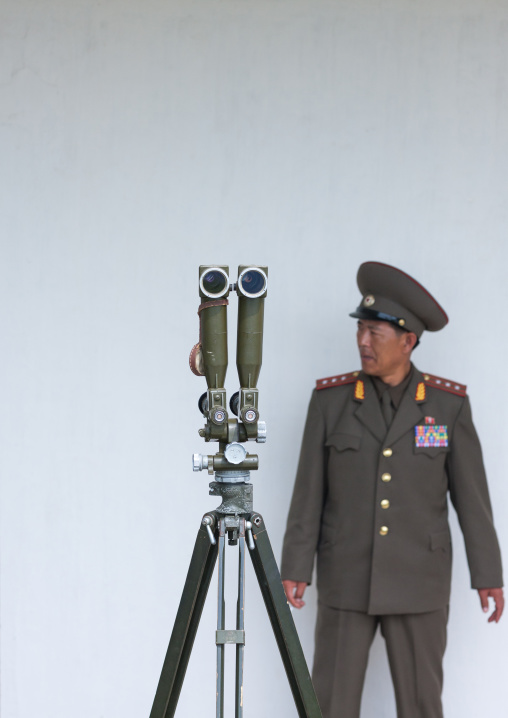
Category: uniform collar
<point>396,392</point>
<point>409,412</point>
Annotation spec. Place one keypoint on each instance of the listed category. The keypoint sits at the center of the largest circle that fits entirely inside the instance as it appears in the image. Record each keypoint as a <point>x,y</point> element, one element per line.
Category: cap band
<point>364,313</point>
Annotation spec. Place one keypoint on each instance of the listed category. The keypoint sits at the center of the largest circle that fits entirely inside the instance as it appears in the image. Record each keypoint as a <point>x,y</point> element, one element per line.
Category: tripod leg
<point>186,624</point>
<point>240,625</point>
<point>221,624</point>
<point>282,622</point>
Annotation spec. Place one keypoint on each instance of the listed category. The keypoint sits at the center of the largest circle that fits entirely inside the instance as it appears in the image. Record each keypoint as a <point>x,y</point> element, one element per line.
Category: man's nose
<point>363,339</point>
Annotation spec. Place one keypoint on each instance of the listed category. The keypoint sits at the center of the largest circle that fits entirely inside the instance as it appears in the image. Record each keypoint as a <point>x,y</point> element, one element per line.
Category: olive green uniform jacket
<point>396,559</point>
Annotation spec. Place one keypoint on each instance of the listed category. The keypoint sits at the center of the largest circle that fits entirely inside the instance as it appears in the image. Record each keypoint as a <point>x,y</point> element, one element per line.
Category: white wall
<point>140,139</point>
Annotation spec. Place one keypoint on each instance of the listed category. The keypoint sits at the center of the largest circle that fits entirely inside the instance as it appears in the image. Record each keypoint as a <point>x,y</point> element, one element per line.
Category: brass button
<point>387,452</point>
<point>386,477</point>
<point>383,530</point>
<point>426,377</point>
<point>385,504</point>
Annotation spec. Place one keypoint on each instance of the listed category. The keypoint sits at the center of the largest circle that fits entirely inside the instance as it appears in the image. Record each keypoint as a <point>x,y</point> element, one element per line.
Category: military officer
<point>382,448</point>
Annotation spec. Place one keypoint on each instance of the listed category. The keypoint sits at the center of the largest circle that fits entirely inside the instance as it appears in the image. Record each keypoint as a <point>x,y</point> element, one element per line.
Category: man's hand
<point>497,595</point>
<point>294,592</point>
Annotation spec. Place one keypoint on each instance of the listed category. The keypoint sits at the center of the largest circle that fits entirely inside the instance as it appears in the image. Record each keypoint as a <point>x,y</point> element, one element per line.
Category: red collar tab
<point>445,384</point>
<point>338,380</point>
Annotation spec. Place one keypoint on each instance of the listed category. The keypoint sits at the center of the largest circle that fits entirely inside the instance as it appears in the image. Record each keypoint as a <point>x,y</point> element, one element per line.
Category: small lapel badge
<point>430,420</point>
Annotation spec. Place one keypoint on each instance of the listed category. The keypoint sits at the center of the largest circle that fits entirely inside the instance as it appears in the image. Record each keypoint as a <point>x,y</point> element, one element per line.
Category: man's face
<point>383,350</point>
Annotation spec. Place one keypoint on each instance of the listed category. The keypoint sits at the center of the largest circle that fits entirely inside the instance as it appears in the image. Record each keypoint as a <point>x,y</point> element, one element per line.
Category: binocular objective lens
<point>214,282</point>
<point>253,282</point>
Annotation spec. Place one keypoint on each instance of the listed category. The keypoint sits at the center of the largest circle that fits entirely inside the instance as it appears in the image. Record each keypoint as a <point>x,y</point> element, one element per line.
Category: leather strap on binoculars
<point>213,303</point>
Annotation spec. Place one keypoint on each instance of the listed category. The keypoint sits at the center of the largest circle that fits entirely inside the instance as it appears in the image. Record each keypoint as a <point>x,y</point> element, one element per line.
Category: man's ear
<point>410,340</point>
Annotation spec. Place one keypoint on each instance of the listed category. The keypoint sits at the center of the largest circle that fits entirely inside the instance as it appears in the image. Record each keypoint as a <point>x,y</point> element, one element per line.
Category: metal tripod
<point>235,519</point>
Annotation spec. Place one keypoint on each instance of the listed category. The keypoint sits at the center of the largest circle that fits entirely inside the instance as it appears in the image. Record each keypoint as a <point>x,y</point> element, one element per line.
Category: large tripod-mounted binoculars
<point>209,358</point>
<point>235,517</point>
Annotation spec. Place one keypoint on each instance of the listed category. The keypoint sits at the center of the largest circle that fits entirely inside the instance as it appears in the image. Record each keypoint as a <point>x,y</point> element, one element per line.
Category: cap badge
<point>369,300</point>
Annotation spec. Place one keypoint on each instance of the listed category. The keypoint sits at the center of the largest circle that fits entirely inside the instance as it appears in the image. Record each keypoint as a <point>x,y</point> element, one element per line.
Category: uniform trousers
<point>415,645</point>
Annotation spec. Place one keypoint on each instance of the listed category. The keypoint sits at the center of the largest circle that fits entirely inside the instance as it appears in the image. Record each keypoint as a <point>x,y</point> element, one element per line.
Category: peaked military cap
<point>391,295</point>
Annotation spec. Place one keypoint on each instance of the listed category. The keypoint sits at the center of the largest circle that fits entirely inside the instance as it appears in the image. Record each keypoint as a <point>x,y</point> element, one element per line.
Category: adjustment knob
<point>199,462</point>
<point>218,415</point>
<point>249,415</point>
<point>234,403</point>
<point>203,403</point>
<point>235,453</point>
<point>261,437</point>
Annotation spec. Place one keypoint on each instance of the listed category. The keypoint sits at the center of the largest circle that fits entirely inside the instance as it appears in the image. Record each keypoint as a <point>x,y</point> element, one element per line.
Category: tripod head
<point>209,358</point>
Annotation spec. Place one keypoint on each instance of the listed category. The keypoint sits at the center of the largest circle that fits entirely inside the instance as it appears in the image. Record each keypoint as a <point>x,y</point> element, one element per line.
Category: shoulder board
<point>338,380</point>
<point>445,384</point>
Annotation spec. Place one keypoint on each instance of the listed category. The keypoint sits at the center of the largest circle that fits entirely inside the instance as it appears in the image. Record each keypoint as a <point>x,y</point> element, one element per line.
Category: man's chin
<point>369,367</point>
